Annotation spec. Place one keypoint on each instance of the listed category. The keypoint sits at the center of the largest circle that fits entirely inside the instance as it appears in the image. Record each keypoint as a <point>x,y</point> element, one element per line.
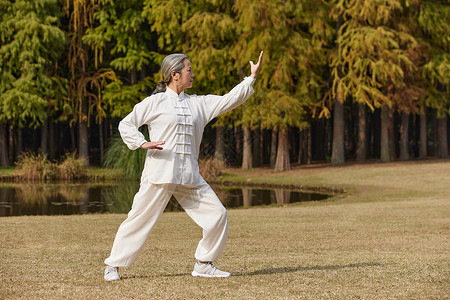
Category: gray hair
<point>172,62</point>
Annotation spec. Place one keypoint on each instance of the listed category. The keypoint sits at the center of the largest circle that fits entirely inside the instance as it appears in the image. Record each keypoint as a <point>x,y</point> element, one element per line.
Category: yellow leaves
<point>209,29</point>
<point>370,12</point>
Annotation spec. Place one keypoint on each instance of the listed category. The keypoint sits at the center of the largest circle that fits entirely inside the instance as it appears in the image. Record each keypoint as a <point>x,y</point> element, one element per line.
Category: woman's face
<point>186,77</point>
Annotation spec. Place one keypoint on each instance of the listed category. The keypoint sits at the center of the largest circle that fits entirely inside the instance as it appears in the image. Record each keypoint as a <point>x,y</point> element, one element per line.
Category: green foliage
<point>433,26</point>
<point>166,18</point>
<point>288,83</point>
<point>86,80</point>
<point>103,56</point>
<point>31,41</point>
<point>375,61</point>
<point>118,156</point>
<point>210,33</point>
<point>121,98</point>
<point>123,36</point>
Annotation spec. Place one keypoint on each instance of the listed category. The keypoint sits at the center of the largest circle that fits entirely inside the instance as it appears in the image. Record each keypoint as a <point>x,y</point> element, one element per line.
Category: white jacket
<point>179,120</point>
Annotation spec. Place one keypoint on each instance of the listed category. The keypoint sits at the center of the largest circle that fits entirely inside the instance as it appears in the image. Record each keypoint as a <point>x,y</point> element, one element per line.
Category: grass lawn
<point>387,237</point>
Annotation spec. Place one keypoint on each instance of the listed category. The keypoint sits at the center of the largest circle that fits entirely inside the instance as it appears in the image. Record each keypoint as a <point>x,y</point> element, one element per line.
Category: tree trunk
<point>257,153</point>
<point>301,146</point>
<point>308,145</point>
<point>304,153</point>
<point>337,154</point>
<point>83,140</point>
<point>404,136</point>
<point>51,140</point>
<point>393,141</point>
<point>83,147</point>
<point>237,137</point>
<point>19,142</point>
<point>11,144</point>
<point>44,138</point>
<point>361,150</point>
<point>101,141</point>
<point>423,136</point>
<point>282,163</point>
<point>73,138</point>
<point>273,148</point>
<point>384,139</point>
<point>442,137</point>
<point>219,151</point>
<point>247,160</point>
<point>4,161</point>
<point>133,76</point>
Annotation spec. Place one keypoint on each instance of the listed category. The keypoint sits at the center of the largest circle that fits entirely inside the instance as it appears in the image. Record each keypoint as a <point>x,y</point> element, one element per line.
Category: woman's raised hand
<point>152,145</point>
<point>255,68</point>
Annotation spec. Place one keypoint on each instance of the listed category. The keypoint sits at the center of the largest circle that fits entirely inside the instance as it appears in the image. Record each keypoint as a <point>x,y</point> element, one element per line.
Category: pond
<point>68,199</point>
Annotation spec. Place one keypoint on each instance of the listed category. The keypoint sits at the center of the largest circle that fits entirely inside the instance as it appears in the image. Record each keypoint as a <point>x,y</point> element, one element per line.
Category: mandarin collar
<point>172,94</point>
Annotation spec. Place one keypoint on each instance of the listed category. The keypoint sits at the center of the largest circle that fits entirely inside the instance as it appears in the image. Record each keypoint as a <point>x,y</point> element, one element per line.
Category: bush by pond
<point>37,167</point>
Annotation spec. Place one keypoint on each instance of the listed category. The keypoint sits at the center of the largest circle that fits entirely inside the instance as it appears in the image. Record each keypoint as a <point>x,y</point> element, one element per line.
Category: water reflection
<point>67,199</point>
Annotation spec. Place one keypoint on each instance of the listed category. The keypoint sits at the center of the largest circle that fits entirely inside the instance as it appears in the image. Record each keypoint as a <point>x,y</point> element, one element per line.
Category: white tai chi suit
<point>179,120</point>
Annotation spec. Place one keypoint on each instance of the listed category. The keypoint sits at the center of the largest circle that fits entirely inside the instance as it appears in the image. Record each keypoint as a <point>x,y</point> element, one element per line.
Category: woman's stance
<point>175,123</point>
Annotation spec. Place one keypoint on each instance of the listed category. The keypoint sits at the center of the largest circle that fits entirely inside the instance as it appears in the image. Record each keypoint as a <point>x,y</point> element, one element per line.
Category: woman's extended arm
<point>217,105</point>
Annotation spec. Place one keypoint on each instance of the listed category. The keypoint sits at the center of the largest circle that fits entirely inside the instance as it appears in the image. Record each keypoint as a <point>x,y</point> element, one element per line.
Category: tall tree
<point>31,42</point>
<point>121,39</point>
<point>372,57</point>
<point>85,81</point>
<point>288,84</point>
<point>434,29</point>
<point>209,34</point>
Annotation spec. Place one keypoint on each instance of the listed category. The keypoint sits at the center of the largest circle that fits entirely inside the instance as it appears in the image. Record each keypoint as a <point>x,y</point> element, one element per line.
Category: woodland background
<point>342,80</point>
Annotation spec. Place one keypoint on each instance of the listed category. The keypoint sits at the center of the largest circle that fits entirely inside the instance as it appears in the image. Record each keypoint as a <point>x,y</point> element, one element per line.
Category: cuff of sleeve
<point>249,80</point>
<point>140,142</point>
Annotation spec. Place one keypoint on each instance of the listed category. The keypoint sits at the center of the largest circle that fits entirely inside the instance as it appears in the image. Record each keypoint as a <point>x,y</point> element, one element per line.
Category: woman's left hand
<point>255,68</point>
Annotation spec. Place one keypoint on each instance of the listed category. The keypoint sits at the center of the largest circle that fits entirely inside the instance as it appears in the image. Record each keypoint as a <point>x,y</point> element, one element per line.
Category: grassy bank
<point>93,174</point>
<point>386,238</point>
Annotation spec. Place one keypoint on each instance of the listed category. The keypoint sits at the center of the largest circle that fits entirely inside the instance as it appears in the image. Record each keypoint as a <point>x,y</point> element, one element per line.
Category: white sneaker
<point>111,273</point>
<point>207,269</point>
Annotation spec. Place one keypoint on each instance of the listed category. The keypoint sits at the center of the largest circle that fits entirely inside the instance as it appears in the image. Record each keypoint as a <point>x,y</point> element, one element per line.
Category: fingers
<point>156,145</point>
<point>260,57</point>
<point>153,145</point>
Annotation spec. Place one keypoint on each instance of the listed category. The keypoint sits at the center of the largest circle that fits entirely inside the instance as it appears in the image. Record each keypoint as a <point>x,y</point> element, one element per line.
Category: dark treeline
<point>341,80</point>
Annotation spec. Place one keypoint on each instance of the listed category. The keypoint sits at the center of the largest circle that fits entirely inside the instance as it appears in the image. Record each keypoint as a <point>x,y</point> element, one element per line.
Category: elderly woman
<point>175,123</point>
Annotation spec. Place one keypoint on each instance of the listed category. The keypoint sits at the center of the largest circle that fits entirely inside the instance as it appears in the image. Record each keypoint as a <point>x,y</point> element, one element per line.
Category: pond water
<point>68,199</point>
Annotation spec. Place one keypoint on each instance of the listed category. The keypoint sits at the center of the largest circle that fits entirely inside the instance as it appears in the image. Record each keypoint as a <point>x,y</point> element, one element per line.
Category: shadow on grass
<point>279,270</point>
<point>311,268</point>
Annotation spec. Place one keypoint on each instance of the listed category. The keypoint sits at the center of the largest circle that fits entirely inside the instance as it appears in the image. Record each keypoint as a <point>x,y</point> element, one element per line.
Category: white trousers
<point>200,203</point>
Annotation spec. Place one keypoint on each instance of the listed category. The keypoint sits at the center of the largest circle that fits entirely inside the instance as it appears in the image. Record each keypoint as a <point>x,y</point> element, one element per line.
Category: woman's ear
<point>175,75</point>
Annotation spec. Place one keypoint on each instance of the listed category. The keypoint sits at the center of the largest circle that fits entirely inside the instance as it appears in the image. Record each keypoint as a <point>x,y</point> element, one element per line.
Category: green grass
<point>7,170</point>
<point>387,237</point>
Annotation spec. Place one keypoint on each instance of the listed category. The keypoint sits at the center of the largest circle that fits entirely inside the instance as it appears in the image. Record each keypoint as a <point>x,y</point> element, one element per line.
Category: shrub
<point>211,168</point>
<point>36,167</point>
<point>72,168</point>
<point>118,156</point>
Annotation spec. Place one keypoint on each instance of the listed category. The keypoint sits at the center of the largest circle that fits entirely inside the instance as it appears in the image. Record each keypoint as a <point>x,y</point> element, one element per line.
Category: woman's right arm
<point>129,126</point>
